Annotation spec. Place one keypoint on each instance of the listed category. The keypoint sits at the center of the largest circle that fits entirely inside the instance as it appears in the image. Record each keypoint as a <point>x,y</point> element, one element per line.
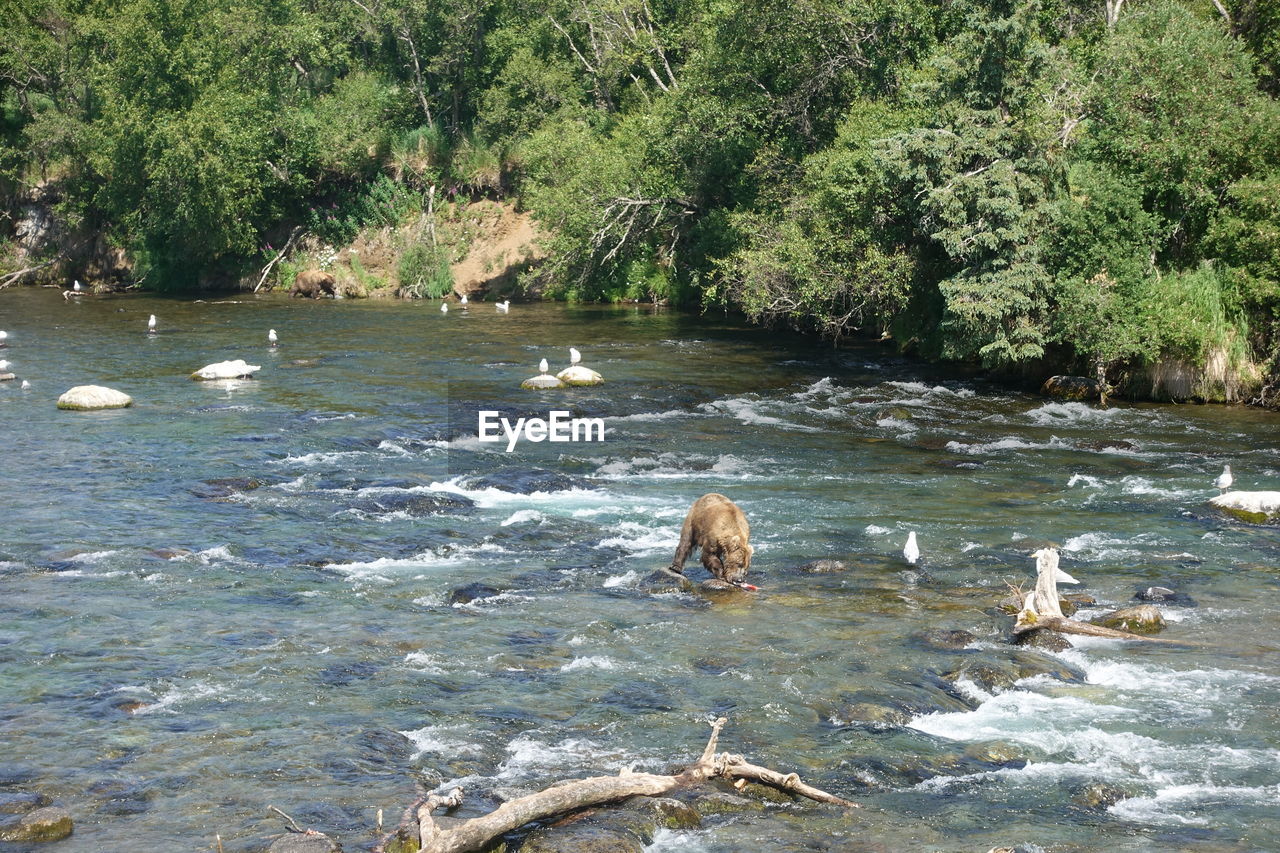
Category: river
<point>235,595</point>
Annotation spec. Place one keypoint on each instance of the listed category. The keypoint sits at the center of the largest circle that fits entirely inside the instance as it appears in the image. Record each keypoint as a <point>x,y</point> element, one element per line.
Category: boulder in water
<point>5,377</point>
<point>1143,619</point>
<point>1072,388</point>
<point>822,567</point>
<point>579,375</point>
<point>543,381</point>
<point>237,369</point>
<point>47,824</point>
<point>87,398</point>
<point>1253,507</point>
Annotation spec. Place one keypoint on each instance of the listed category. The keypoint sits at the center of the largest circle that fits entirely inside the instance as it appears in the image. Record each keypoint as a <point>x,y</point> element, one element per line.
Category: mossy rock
<point>1071,388</point>
<point>1250,507</point>
<point>542,382</point>
<point>721,803</point>
<point>1100,796</point>
<point>45,824</point>
<point>579,376</point>
<point>996,752</point>
<point>666,812</point>
<point>1143,619</point>
<point>89,398</point>
<point>580,837</point>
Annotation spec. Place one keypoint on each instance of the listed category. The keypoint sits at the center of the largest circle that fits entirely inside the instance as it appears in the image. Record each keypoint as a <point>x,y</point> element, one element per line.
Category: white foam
<point>1182,804</point>
<point>675,841</point>
<point>445,555</point>
<point>424,662</point>
<point>621,580</point>
<point>522,515</point>
<point>591,662</point>
<point>529,757</point>
<point>1010,443</point>
<point>492,497</point>
<point>1054,414</point>
<point>876,530</point>
<point>1097,546</point>
<point>751,412</point>
<point>317,459</point>
<point>638,538</point>
<point>442,739</point>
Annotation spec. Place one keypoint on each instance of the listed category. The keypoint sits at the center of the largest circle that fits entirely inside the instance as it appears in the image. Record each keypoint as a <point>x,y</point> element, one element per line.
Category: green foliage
<point>424,272</point>
<point>986,180</point>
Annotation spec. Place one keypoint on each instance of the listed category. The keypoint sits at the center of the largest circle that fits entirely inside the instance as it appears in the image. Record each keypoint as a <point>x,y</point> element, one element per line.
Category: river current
<point>309,589</point>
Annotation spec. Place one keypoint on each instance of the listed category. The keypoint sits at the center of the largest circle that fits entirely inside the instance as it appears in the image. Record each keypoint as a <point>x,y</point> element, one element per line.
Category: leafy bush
<point>424,272</point>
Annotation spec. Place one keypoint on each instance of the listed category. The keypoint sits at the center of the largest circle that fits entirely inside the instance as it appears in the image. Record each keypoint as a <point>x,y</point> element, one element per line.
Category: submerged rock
<point>665,580</point>
<point>941,638</point>
<point>1071,388</point>
<point>527,481</point>
<point>1100,796</point>
<point>44,824</point>
<point>820,567</point>
<point>472,592</point>
<point>87,398</point>
<point>1142,619</point>
<point>21,802</point>
<point>1000,752</point>
<point>1253,507</point>
<point>1164,595</point>
<point>304,842</point>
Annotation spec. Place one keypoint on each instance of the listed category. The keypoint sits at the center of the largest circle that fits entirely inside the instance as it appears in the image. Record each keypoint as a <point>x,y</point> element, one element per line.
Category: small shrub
<point>424,272</point>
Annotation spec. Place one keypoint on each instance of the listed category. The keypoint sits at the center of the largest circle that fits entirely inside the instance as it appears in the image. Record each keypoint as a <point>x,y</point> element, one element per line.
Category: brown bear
<point>313,283</point>
<point>718,527</point>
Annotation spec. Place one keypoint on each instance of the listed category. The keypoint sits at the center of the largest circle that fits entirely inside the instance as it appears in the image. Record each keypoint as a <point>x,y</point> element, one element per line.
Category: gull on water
<point>76,286</point>
<point>26,386</point>
<point>463,300</point>
<point>504,306</point>
<point>4,364</point>
<point>151,325</point>
<point>1225,479</point>
<point>4,337</point>
<point>272,338</point>
<point>911,551</point>
<point>444,307</point>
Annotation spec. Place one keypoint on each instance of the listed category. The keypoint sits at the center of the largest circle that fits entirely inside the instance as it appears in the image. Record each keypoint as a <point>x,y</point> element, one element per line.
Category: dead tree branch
<point>266,271</point>
<point>474,834</point>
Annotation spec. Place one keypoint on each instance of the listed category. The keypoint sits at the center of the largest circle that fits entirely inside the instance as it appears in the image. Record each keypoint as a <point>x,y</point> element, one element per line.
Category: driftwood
<point>1041,610</point>
<point>474,834</point>
<point>266,271</point>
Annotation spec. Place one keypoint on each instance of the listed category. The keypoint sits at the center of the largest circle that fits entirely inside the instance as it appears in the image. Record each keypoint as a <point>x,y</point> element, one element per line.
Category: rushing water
<point>235,595</point>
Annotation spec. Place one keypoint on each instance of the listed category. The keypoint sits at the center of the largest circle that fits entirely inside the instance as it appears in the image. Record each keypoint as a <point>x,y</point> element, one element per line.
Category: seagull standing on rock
<point>911,551</point>
<point>1224,480</point>
<point>574,356</point>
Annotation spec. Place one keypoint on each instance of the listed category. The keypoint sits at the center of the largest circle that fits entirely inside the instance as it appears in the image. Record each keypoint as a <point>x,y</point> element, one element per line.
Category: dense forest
<point>1089,185</point>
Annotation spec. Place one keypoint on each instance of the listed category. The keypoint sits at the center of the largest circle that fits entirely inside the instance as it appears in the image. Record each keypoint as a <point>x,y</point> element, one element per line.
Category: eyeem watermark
<point>557,426</point>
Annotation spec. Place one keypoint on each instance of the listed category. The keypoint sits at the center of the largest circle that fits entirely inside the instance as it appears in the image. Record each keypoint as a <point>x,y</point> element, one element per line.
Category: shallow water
<point>235,595</point>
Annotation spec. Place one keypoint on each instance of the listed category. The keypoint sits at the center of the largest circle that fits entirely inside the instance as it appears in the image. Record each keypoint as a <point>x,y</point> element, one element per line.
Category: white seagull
<point>504,306</point>
<point>4,364</point>
<point>444,307</point>
<point>1225,479</point>
<point>463,300</point>
<point>76,286</point>
<point>4,336</point>
<point>271,336</point>
<point>542,366</point>
<point>151,325</point>
<point>26,386</point>
<point>911,551</point>
<point>574,356</point>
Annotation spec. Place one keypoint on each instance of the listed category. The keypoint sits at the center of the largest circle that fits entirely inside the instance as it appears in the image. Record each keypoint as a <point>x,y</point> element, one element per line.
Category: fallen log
<point>476,833</point>
<point>1042,612</point>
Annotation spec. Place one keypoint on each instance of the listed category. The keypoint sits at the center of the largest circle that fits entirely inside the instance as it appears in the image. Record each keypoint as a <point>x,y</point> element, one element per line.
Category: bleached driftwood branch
<point>474,834</point>
<point>1041,610</point>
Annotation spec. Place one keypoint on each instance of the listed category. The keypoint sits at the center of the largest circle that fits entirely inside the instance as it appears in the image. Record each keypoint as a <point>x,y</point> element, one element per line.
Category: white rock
<point>1249,506</point>
<point>237,369</point>
<point>542,380</point>
<point>579,375</point>
<point>86,397</point>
